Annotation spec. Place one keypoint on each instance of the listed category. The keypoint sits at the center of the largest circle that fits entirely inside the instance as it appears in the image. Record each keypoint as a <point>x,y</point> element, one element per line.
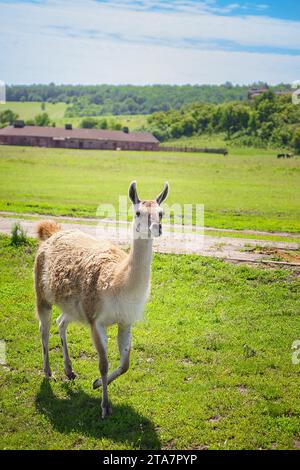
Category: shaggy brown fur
<point>46,228</point>
<point>76,266</point>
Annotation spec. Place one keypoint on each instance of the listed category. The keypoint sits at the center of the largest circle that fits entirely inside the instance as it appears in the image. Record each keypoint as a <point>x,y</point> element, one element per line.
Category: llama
<point>96,283</point>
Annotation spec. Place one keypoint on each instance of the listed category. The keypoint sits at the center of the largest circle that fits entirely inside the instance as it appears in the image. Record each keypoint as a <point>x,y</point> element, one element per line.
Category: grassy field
<point>28,110</point>
<point>205,140</point>
<point>132,122</point>
<point>249,189</point>
<point>56,112</point>
<point>219,141</point>
<point>211,364</point>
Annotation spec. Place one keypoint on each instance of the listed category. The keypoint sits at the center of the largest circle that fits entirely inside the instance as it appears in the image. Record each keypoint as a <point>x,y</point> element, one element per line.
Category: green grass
<point>219,141</point>
<point>211,365</point>
<point>250,236</point>
<point>131,121</point>
<point>28,110</point>
<point>56,112</point>
<point>250,190</point>
<point>204,140</point>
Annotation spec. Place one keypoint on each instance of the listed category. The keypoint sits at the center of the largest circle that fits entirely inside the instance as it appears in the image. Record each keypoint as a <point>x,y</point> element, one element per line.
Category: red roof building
<point>77,138</point>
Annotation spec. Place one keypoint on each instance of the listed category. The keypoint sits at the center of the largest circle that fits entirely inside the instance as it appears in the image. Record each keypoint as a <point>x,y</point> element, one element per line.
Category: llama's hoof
<point>97,383</point>
<point>106,411</point>
<point>50,377</point>
<point>48,374</point>
<point>71,375</point>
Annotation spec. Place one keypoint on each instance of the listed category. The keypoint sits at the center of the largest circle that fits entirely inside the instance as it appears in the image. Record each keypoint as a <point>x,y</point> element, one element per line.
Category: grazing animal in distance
<point>285,155</point>
<point>96,283</point>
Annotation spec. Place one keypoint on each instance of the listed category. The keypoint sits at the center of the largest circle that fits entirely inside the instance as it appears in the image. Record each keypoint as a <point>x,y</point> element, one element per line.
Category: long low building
<point>77,138</point>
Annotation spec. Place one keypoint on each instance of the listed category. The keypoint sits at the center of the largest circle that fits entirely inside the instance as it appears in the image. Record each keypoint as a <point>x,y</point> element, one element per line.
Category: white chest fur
<point>125,308</point>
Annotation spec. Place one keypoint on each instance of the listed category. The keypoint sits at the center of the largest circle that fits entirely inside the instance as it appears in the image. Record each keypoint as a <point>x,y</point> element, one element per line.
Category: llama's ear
<point>164,194</point>
<point>132,193</point>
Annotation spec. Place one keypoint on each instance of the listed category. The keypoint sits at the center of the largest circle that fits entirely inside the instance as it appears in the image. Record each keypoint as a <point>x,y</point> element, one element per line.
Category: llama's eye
<point>160,215</point>
<point>137,213</point>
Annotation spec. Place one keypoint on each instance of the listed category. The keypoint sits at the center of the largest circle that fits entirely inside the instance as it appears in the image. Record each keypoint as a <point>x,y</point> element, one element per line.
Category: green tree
<point>8,117</point>
<point>265,106</point>
<point>296,140</point>
<point>234,118</point>
<point>89,123</point>
<point>103,124</point>
<point>42,120</point>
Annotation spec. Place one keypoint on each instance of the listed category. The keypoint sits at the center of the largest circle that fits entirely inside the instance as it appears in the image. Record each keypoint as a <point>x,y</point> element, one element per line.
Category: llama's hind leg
<point>44,312</point>
<point>100,340</point>
<point>124,343</point>
<point>62,324</point>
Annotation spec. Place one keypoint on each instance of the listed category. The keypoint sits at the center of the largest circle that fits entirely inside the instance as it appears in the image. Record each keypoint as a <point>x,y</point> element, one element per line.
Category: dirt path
<point>229,248</point>
<point>95,221</point>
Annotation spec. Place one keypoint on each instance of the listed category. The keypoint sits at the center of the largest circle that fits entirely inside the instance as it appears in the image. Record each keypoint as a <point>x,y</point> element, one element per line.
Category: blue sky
<point>149,41</point>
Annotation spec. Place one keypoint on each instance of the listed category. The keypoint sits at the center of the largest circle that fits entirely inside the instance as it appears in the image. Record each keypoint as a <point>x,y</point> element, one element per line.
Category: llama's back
<point>77,268</point>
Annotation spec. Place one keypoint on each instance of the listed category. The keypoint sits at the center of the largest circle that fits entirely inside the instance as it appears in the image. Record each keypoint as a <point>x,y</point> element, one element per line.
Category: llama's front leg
<point>62,324</point>
<point>124,342</point>
<point>100,340</point>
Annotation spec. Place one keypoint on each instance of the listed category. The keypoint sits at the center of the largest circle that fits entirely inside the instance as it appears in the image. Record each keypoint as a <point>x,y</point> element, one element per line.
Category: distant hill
<point>96,100</point>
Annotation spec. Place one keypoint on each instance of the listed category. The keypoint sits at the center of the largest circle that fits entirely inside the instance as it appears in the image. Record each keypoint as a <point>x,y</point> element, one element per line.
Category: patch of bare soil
<point>276,254</point>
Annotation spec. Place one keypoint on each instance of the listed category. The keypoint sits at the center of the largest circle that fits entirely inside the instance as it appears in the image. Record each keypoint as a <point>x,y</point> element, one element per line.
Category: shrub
<point>89,123</point>
<point>18,235</point>
<point>42,120</point>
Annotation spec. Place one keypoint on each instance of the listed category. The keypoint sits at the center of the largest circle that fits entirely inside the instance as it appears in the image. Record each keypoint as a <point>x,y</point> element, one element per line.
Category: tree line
<point>267,120</point>
<point>97,100</point>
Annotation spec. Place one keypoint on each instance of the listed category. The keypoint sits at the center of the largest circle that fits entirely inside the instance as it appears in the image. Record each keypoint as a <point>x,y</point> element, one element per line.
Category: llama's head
<point>147,214</point>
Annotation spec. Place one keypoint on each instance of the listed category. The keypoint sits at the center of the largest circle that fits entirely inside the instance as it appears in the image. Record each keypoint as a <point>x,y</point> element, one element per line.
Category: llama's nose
<point>156,228</point>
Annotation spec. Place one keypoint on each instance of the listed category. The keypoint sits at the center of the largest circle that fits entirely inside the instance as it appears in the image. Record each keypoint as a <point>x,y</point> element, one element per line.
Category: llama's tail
<point>46,228</point>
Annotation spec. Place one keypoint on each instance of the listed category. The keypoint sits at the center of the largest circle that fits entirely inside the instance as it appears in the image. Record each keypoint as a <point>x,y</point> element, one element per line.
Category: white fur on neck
<point>140,263</point>
<point>128,306</point>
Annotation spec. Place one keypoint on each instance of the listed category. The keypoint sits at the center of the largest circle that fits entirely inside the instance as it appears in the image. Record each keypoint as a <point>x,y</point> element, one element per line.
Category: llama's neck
<point>139,263</point>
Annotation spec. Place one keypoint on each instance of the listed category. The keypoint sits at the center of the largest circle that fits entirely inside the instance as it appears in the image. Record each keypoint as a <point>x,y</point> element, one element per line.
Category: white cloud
<point>90,42</point>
